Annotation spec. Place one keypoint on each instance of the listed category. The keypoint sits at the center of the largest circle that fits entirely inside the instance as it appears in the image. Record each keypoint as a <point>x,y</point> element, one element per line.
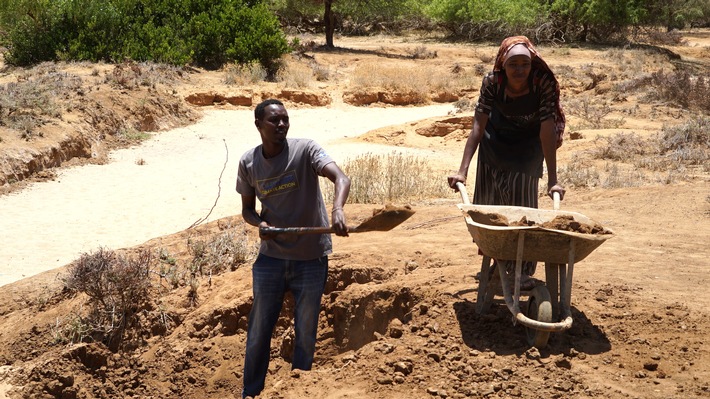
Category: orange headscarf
<point>537,63</point>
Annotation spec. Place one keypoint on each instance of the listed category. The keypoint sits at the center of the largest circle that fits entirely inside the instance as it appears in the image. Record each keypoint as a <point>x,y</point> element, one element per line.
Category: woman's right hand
<point>456,178</point>
<point>556,189</point>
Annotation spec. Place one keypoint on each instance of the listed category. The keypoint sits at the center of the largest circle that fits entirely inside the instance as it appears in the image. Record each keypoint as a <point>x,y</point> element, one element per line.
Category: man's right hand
<point>267,236</point>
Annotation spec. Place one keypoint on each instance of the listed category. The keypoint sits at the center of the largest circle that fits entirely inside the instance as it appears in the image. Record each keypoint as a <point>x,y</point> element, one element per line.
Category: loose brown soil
<point>398,317</point>
<point>559,222</point>
<point>387,218</point>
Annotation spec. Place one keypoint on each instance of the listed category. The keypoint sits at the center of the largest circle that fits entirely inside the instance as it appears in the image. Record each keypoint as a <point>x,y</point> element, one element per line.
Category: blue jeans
<point>271,279</point>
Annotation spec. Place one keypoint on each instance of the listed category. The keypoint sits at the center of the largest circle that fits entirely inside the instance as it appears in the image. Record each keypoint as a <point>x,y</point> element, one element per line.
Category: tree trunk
<point>329,24</point>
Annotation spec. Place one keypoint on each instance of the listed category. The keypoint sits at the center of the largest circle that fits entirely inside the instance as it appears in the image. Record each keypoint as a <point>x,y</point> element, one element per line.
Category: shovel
<point>381,220</point>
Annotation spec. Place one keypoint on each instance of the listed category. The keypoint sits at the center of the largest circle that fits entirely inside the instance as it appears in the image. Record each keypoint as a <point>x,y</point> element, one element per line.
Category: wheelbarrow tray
<point>541,244</point>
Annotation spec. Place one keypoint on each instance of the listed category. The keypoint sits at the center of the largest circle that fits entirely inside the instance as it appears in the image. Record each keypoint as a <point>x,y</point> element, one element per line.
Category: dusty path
<point>122,204</point>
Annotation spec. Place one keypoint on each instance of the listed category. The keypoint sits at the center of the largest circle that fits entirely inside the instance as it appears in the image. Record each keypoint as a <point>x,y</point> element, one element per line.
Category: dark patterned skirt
<point>500,187</point>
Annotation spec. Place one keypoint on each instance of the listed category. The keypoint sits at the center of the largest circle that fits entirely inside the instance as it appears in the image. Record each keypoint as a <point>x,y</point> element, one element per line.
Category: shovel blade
<point>384,219</point>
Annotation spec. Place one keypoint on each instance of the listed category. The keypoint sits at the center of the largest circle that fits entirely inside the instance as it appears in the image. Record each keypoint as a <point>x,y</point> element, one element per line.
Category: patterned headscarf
<point>537,63</point>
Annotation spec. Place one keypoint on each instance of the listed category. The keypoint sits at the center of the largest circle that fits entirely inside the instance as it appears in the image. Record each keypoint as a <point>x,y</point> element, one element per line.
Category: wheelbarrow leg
<point>566,272</point>
<point>552,278</point>
<point>485,295</point>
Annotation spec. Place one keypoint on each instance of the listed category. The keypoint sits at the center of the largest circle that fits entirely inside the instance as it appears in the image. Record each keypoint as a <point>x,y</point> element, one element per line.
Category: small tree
<point>674,14</point>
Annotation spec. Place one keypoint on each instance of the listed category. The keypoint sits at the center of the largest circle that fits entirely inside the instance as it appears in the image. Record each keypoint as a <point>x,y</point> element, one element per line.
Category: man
<point>283,174</point>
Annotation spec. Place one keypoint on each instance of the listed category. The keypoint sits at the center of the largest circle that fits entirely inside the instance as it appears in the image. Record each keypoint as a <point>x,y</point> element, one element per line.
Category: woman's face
<point>517,69</point>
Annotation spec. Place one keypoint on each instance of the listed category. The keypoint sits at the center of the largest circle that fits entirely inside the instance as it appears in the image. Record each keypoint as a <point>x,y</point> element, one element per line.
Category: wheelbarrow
<point>548,306</point>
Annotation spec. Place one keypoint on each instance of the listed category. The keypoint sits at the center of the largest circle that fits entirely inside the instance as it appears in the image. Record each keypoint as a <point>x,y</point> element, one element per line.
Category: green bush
<point>353,17</point>
<point>487,19</point>
<point>177,32</point>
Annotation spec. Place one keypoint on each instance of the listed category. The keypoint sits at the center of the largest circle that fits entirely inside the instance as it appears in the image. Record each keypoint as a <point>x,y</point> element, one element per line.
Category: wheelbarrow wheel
<point>539,307</point>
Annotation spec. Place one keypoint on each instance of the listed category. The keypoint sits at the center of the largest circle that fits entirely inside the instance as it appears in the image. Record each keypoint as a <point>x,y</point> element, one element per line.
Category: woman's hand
<point>457,178</point>
<point>556,189</point>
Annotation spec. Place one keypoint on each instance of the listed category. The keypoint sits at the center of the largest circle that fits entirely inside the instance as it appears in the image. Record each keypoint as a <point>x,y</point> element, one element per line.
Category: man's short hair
<point>260,109</point>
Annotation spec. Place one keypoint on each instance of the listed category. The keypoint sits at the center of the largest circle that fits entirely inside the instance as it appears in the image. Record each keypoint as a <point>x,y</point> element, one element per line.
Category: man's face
<point>274,126</point>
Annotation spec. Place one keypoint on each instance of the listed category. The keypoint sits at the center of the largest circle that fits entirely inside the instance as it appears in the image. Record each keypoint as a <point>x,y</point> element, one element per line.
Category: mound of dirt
<point>567,223</point>
<point>560,222</point>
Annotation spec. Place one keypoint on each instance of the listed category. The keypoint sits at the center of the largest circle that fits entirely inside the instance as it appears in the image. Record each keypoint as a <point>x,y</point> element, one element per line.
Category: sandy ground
<point>123,204</point>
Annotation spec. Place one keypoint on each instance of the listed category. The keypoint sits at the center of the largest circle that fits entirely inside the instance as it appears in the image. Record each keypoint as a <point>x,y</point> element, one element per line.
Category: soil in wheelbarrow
<point>560,222</point>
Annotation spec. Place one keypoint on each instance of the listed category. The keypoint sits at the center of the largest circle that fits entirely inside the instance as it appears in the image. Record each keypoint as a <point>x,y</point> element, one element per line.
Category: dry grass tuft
<point>687,144</point>
<point>294,74</point>
<point>422,53</point>
<point>579,172</point>
<point>396,177</point>
<point>244,74</point>
<point>218,253</point>
<point>592,112</point>
<point>132,75</point>
<point>418,82</point>
<point>628,160</point>
<point>32,101</point>
<point>620,147</point>
<point>681,88</point>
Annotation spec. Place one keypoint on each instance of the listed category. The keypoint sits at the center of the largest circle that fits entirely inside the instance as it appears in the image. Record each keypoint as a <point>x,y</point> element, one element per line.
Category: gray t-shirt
<point>289,191</point>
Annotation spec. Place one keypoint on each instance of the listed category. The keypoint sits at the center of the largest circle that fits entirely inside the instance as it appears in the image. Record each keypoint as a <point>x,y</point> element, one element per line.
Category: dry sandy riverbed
<point>123,203</point>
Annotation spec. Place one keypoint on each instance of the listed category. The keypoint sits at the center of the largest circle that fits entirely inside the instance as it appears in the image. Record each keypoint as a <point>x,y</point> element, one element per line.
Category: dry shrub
<point>617,176</point>
<point>464,105</point>
<point>132,75</point>
<point>632,84</point>
<point>578,173</point>
<point>620,147</point>
<point>688,143</point>
<point>395,177</point>
<point>244,74</point>
<point>632,160</point>
<point>487,58</point>
<point>419,81</point>
<point>422,53</point>
<point>31,102</point>
<point>592,112</point>
<point>321,72</point>
<point>294,74</point>
<point>663,37</point>
<point>118,288</point>
<point>220,252</point>
<point>213,256</point>
<point>681,88</point>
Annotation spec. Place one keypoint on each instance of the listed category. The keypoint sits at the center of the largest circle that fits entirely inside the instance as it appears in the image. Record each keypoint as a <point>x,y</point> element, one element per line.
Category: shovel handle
<point>296,230</point>
<point>556,201</point>
<point>304,230</point>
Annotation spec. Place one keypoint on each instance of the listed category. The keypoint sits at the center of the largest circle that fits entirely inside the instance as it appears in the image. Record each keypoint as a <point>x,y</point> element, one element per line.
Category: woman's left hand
<point>556,189</point>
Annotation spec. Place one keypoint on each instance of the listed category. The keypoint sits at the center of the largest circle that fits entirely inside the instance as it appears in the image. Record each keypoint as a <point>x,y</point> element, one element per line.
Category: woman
<point>518,123</point>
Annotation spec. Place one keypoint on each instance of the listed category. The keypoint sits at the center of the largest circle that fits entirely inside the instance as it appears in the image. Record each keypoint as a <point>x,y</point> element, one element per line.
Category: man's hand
<point>266,236</point>
<point>338,218</point>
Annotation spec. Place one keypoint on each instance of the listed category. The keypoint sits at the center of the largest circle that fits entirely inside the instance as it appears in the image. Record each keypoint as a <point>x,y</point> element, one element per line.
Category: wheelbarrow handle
<point>464,194</point>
